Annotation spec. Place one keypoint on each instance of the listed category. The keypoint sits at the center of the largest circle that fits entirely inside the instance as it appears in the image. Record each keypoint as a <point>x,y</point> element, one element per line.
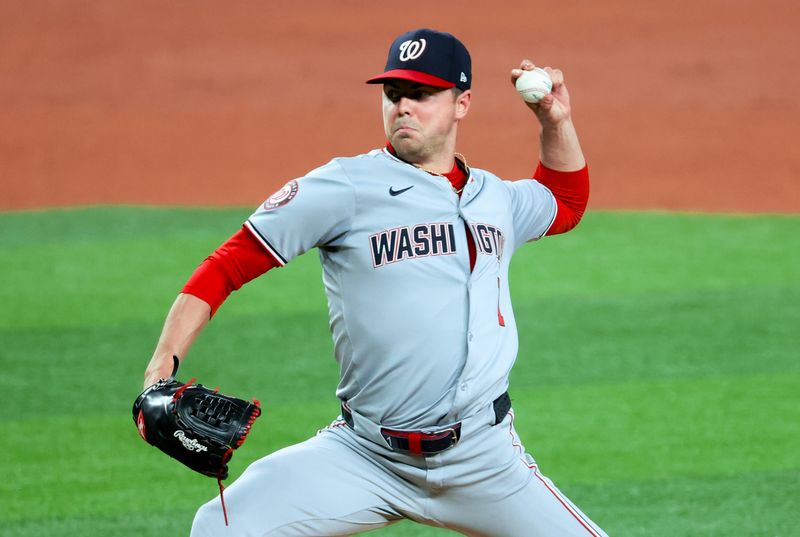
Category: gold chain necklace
<point>458,156</point>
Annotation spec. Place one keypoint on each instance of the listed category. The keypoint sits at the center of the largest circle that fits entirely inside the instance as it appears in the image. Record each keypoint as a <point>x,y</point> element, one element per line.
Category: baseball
<point>534,85</point>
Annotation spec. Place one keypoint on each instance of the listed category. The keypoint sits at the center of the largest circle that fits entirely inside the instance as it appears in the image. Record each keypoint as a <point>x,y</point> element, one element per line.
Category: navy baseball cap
<point>428,57</point>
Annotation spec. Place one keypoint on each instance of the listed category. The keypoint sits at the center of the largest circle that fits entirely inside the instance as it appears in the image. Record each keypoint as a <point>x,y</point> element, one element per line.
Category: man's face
<point>419,120</point>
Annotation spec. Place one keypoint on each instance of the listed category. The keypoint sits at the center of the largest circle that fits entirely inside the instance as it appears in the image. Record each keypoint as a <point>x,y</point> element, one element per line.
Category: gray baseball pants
<point>341,483</point>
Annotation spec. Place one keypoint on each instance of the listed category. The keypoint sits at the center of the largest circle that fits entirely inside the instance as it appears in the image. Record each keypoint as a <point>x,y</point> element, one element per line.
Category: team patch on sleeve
<point>411,242</point>
<point>282,196</point>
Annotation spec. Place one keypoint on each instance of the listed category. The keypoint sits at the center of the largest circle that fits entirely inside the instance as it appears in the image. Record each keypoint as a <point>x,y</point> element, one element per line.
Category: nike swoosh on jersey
<point>393,192</point>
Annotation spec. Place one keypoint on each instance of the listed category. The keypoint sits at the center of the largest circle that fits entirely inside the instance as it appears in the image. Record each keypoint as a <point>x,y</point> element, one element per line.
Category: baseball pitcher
<point>415,247</point>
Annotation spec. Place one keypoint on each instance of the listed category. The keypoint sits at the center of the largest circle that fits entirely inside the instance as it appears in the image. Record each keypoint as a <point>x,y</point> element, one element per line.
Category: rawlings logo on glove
<point>192,424</point>
<point>189,443</point>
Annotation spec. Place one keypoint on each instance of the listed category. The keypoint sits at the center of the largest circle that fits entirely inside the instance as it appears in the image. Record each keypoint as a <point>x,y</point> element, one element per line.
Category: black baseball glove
<point>195,425</point>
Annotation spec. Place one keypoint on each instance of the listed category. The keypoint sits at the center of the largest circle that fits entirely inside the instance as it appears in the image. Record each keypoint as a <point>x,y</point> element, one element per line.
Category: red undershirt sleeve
<point>237,261</point>
<point>571,190</point>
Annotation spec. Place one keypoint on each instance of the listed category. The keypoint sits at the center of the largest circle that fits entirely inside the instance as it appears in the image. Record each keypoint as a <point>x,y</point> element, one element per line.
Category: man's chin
<point>406,148</point>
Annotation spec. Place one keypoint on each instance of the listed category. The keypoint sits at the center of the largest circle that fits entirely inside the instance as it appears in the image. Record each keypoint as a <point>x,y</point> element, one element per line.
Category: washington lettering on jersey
<point>489,239</point>
<point>411,242</point>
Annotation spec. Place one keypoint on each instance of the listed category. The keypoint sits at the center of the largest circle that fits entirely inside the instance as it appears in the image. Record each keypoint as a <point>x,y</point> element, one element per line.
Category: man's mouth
<point>403,129</point>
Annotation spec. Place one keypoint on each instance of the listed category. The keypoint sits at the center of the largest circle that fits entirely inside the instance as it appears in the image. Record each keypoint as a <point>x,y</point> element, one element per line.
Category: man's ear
<point>462,104</point>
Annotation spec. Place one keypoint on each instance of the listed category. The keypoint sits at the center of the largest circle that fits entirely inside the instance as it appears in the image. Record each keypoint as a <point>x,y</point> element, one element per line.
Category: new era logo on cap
<point>428,57</point>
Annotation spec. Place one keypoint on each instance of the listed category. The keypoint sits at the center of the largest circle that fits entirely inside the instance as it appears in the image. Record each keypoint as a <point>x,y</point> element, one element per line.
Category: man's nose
<point>405,106</point>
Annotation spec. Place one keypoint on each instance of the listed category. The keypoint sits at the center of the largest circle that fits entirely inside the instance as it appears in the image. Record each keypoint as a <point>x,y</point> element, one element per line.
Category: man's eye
<point>415,95</point>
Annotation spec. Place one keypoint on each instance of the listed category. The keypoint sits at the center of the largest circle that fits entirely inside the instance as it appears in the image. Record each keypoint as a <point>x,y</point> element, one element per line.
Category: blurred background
<point>680,105</point>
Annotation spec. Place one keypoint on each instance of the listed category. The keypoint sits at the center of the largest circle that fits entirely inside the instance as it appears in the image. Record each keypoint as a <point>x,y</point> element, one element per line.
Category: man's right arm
<point>237,261</point>
<point>291,221</point>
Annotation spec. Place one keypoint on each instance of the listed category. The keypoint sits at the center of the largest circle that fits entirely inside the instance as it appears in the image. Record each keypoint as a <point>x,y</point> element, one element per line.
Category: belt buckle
<point>453,435</point>
<point>438,435</point>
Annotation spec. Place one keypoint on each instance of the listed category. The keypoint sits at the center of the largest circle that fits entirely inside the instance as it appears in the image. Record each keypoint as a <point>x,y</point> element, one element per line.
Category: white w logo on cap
<point>412,49</point>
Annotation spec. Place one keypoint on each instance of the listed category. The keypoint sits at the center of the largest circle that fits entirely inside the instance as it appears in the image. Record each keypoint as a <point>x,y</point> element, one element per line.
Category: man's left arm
<point>562,167</point>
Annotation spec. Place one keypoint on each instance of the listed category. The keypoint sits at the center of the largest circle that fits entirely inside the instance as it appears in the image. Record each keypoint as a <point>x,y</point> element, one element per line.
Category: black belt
<point>420,443</point>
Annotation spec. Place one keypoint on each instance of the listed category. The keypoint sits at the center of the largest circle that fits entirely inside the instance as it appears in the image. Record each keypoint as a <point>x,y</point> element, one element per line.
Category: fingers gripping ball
<point>194,425</point>
<point>534,85</point>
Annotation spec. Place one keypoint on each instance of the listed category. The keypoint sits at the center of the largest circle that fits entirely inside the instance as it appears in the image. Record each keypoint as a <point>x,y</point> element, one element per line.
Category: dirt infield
<point>680,105</point>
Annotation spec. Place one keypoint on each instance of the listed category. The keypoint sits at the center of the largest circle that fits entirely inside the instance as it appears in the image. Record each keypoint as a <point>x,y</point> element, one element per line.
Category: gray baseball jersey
<point>423,342</point>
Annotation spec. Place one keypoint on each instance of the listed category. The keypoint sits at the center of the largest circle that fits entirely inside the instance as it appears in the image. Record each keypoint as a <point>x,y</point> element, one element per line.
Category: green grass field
<point>658,381</point>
